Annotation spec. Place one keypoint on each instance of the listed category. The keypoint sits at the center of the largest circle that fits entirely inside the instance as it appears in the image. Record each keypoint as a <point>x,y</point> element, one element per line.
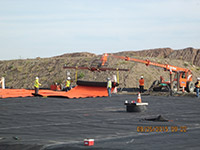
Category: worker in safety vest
<point>141,83</point>
<point>68,84</point>
<point>197,84</point>
<point>36,85</point>
<point>109,86</point>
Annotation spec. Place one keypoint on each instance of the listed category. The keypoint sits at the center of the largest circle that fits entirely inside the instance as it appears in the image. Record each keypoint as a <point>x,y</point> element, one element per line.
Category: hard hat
<point>68,78</point>
<point>36,78</point>
<point>198,78</point>
<point>108,78</point>
<point>142,77</point>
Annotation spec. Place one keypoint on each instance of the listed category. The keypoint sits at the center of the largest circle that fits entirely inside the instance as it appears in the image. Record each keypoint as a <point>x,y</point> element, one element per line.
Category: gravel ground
<point>36,123</point>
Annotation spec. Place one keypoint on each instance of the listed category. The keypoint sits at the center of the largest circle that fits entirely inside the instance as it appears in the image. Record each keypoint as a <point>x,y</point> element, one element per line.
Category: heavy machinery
<point>182,78</point>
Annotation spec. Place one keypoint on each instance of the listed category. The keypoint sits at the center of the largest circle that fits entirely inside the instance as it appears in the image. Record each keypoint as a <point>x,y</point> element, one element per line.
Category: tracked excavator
<point>182,76</point>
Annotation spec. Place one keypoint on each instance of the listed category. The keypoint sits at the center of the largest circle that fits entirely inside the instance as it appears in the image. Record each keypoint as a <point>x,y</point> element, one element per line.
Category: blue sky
<point>45,28</point>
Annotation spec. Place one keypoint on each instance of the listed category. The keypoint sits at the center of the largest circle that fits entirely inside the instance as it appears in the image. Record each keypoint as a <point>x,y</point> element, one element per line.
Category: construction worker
<point>141,83</point>
<point>109,86</point>
<point>197,84</point>
<point>36,85</point>
<point>68,84</point>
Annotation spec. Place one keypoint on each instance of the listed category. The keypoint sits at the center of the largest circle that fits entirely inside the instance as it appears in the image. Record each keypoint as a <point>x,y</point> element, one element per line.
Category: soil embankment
<point>21,73</point>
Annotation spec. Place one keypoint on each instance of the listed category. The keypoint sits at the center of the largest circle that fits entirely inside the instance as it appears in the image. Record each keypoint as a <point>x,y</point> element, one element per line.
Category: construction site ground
<point>36,123</point>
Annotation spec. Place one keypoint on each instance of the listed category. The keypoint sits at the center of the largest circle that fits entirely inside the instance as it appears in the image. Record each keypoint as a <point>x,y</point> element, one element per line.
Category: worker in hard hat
<point>68,84</point>
<point>197,84</point>
<point>141,83</point>
<point>109,86</point>
<point>37,85</point>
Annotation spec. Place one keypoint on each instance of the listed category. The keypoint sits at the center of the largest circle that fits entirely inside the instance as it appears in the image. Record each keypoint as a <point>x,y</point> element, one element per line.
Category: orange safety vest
<point>198,84</point>
<point>141,81</point>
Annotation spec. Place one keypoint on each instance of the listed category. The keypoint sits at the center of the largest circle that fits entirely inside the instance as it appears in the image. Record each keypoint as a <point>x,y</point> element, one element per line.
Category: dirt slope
<point>160,52</point>
<point>189,54</point>
<point>21,73</point>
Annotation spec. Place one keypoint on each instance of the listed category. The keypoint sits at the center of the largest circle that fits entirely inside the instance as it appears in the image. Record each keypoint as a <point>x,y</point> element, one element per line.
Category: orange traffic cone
<point>139,100</point>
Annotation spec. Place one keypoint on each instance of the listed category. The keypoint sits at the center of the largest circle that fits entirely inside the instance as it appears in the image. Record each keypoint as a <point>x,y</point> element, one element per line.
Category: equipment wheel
<point>157,88</point>
<point>165,88</point>
<point>190,86</point>
<point>174,86</point>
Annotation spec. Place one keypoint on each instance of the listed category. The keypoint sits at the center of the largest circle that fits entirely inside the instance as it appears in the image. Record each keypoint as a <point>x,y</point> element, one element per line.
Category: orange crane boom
<point>146,62</point>
<point>184,75</point>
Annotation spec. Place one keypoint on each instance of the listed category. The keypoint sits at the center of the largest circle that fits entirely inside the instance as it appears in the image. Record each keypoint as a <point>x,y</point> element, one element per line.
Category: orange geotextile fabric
<point>6,93</point>
<point>77,92</point>
<point>87,91</point>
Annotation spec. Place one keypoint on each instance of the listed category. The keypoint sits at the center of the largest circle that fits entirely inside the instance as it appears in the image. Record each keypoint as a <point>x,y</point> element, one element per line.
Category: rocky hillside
<point>188,54</point>
<point>22,73</point>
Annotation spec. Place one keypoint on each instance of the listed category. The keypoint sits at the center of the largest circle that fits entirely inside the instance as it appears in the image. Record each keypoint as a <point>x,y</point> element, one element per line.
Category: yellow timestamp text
<point>146,129</point>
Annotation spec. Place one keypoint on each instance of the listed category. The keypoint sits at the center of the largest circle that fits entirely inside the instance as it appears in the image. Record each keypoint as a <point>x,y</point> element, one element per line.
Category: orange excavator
<point>182,78</point>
